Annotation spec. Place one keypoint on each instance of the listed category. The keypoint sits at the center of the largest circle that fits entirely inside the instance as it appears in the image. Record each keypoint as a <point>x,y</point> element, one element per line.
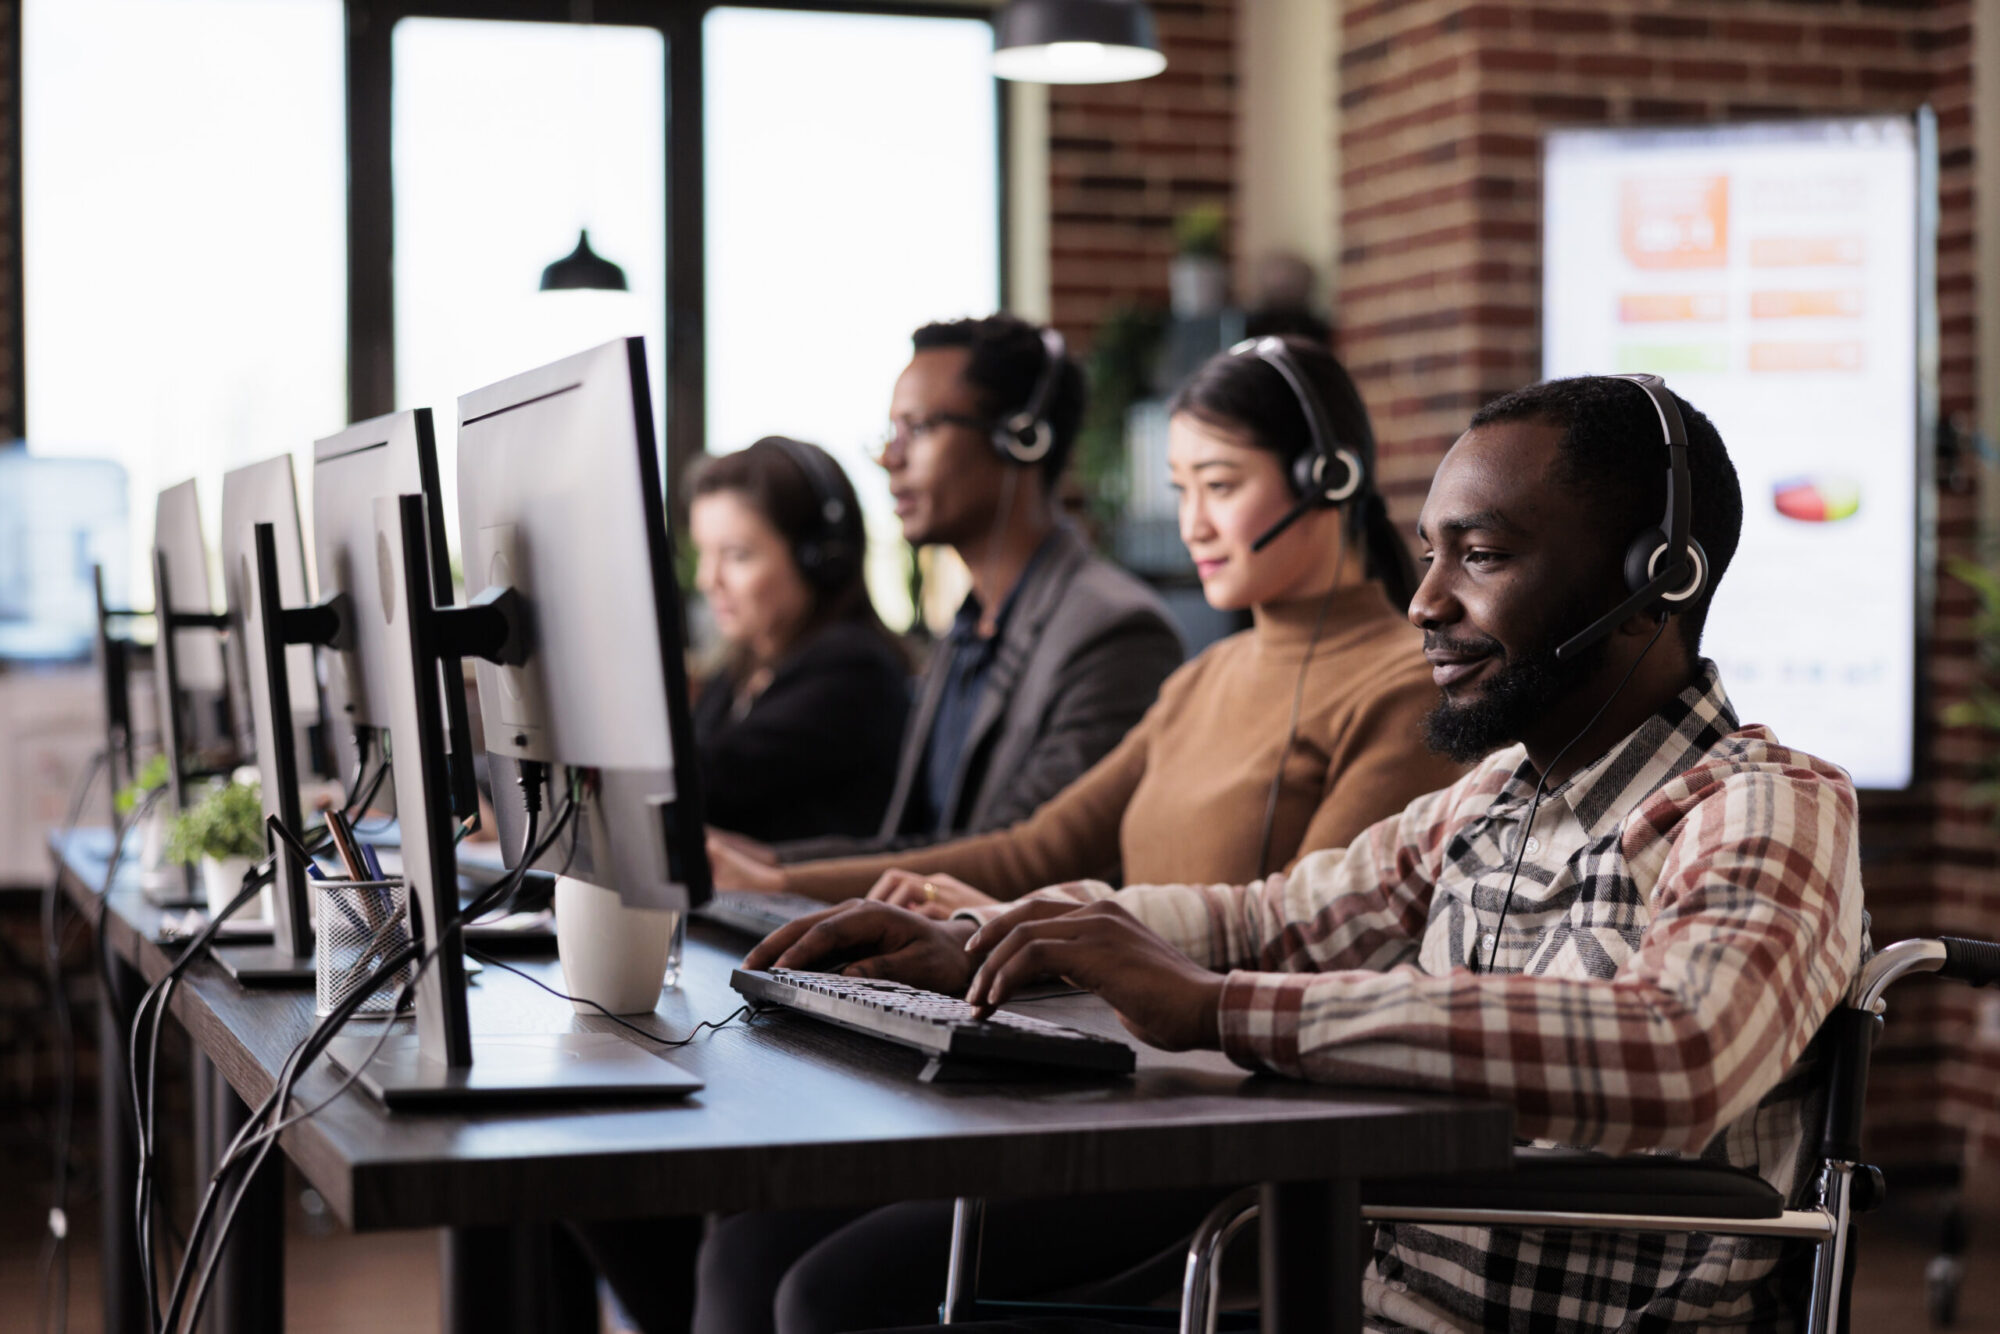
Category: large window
<point>509,140</point>
<point>188,224</point>
<point>851,194</point>
<point>184,242</point>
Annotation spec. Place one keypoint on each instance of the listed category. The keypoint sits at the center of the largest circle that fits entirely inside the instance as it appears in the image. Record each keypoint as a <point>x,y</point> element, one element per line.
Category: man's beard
<point>1513,698</point>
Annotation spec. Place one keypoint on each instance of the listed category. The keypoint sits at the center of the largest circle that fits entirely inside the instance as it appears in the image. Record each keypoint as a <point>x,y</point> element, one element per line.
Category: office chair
<point>1577,1190</point>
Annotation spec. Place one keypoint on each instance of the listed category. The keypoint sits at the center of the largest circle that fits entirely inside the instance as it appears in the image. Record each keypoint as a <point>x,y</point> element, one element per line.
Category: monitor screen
<point>1777,275</point>
<point>58,519</point>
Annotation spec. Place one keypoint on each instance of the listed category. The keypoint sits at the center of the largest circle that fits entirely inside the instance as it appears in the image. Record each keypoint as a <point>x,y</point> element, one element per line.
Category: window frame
<point>371,342</point>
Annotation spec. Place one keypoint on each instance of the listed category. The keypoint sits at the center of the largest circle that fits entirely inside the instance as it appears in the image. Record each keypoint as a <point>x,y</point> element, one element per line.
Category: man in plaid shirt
<point>1686,911</point>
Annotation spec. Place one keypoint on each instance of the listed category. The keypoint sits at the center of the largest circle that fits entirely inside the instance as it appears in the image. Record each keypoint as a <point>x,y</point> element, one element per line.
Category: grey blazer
<point>1080,659</point>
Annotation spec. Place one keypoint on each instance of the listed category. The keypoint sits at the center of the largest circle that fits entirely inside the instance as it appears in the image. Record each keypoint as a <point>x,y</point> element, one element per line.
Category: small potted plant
<point>1198,282</point>
<point>223,833</point>
<point>153,826</point>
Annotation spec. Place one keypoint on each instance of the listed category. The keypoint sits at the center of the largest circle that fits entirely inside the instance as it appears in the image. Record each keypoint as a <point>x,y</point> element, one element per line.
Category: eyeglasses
<point>904,433</point>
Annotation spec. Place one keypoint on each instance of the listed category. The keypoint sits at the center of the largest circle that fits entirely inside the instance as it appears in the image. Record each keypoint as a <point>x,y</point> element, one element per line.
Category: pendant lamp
<point>583,268</point>
<point>1077,41</point>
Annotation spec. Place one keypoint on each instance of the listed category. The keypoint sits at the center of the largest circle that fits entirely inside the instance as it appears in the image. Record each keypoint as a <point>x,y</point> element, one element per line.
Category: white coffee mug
<point>617,956</point>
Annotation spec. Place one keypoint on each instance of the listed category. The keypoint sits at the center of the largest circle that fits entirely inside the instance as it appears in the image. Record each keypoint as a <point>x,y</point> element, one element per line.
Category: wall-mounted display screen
<point>1779,277</point>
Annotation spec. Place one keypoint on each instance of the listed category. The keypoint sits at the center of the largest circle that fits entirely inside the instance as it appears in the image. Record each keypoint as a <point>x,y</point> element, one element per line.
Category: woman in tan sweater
<point>1291,736</point>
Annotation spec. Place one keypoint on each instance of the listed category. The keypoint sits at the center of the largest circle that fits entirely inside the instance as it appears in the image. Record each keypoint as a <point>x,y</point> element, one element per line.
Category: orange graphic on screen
<point>1672,307</point>
<point>1836,355</point>
<point>1679,222</point>
<point>1840,303</point>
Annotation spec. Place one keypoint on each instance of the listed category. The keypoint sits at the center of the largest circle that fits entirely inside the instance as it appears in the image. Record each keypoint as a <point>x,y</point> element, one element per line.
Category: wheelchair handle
<point>1974,962</point>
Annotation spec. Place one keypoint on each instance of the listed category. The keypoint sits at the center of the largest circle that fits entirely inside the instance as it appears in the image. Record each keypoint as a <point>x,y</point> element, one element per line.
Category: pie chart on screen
<point>1816,499</point>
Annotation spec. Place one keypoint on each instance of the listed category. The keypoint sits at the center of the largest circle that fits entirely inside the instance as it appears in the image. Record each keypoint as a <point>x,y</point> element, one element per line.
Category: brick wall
<point>1441,103</point>
<point>1126,158</point>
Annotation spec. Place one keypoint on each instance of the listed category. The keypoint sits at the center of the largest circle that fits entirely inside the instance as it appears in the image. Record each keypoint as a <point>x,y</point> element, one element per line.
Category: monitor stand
<point>442,1063</point>
<point>264,965</point>
<point>524,1068</point>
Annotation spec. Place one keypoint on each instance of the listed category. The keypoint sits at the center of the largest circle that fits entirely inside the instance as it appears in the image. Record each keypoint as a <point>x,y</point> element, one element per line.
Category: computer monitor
<point>563,518</point>
<point>542,458</point>
<point>387,456</point>
<point>253,494</point>
<point>58,518</point>
<point>263,564</point>
<point>179,542</point>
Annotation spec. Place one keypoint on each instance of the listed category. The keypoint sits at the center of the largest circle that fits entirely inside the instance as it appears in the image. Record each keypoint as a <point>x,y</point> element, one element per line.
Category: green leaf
<point>227,822</point>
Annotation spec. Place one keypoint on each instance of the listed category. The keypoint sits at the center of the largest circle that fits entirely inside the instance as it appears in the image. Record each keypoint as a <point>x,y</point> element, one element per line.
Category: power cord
<point>1292,729</point>
<point>258,1142</point>
<point>717,1024</point>
<point>1528,826</point>
<point>53,1281</point>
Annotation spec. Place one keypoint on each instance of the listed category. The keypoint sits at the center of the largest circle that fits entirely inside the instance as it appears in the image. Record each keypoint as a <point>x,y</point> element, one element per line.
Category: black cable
<point>1528,826</point>
<point>157,998</point>
<point>53,1281</point>
<point>693,1033</point>
<point>260,1141</point>
<point>1292,730</point>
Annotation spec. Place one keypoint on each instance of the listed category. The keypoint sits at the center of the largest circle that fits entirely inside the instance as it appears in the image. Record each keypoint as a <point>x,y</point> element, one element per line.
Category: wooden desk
<point>797,1114</point>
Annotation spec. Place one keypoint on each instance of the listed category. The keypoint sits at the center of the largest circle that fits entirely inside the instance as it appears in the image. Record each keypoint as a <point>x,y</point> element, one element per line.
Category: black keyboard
<point>940,1025</point>
<point>757,914</point>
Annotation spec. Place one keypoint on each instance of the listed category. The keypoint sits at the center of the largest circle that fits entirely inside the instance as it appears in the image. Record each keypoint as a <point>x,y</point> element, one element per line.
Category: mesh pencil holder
<point>361,923</point>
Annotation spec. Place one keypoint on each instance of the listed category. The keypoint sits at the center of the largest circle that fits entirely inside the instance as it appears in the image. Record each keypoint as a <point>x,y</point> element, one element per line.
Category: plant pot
<point>1198,286</point>
<point>154,872</point>
<point>222,877</point>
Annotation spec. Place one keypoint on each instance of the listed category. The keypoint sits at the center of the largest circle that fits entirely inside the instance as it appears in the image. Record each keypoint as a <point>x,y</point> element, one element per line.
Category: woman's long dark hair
<point>1247,394</point>
<point>769,477</point>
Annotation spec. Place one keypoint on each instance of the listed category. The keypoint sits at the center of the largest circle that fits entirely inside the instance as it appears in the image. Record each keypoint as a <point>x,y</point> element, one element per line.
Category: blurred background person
<point>800,728</point>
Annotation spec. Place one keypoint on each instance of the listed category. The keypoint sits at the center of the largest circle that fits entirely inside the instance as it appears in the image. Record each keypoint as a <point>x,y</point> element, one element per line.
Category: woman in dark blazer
<point>800,731</point>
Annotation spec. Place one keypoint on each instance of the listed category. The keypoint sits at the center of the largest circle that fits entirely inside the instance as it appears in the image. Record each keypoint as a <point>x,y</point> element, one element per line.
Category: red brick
<point>1569,20</point>
<point>1669,25</point>
<point>1713,71</point>
<point>1613,65</point>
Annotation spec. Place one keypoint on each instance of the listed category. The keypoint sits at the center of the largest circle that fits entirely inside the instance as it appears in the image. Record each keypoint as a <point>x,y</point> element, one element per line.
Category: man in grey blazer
<point>1055,653</point>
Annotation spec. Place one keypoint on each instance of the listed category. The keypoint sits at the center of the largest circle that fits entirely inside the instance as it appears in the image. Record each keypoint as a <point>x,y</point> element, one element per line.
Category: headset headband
<point>1323,449</point>
<point>1653,584</point>
<point>1026,436</point>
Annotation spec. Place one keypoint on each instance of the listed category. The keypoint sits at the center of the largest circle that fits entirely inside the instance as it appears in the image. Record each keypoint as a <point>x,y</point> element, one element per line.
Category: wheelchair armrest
<point>1578,1181</point>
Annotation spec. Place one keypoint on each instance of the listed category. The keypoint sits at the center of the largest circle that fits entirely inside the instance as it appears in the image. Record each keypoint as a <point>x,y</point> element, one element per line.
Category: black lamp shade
<point>1077,41</point>
<point>583,268</point>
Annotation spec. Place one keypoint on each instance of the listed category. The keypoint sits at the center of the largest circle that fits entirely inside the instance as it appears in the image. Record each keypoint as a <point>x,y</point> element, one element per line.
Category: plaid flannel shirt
<point>1688,911</point>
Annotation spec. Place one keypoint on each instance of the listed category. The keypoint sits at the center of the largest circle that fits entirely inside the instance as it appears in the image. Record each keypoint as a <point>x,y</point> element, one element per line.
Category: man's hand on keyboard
<point>1160,994</point>
<point>861,938</point>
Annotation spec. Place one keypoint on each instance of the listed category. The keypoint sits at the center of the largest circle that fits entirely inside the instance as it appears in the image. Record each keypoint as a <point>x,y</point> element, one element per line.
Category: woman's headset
<point>825,554</point>
<point>1327,474</point>
<point>1658,560</point>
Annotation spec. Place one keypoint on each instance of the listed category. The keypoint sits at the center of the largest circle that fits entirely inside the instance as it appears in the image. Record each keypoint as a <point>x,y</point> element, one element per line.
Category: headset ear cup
<point>1639,558</point>
<point>1338,491</point>
<point>1642,557</point>
<point>1329,481</point>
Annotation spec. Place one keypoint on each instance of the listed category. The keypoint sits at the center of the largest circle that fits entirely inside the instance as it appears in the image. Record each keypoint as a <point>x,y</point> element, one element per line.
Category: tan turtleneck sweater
<point>1181,800</point>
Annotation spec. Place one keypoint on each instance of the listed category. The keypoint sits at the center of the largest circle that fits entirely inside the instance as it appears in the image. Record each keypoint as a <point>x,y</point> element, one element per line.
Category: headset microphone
<point>1653,587</point>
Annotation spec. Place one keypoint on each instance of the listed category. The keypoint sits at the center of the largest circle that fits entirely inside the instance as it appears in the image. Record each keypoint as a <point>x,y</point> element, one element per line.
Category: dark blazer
<point>1082,654</point>
<point>816,752</point>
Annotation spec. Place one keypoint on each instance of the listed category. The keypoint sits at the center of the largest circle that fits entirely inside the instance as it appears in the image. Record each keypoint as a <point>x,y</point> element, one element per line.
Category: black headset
<point>825,553</point>
<point>1659,558</point>
<point>1026,436</point>
<point>1327,474</point>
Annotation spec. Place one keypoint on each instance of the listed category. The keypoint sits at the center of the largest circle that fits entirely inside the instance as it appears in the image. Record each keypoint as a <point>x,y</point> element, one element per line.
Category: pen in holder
<point>361,923</point>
